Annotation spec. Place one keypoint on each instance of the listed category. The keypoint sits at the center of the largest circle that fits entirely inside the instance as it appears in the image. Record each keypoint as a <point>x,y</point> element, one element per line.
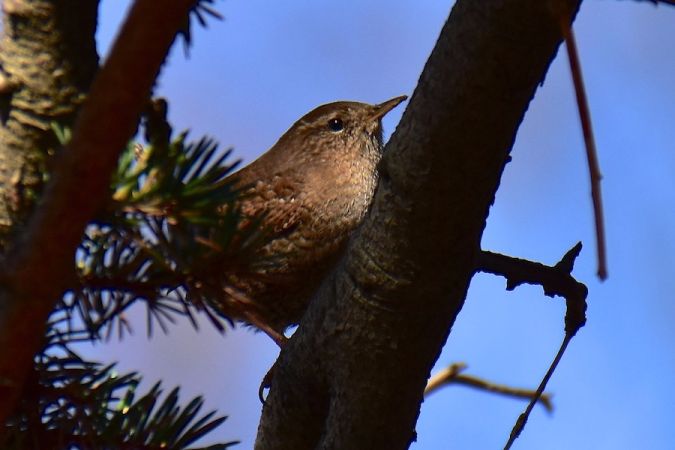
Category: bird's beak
<point>385,107</point>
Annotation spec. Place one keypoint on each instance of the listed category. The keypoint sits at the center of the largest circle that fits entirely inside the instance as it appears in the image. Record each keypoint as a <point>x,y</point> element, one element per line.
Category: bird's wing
<point>278,202</point>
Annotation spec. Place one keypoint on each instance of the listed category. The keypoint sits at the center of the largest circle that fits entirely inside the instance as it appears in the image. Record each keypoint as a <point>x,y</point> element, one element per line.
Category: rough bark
<point>39,264</point>
<point>48,60</point>
<point>353,374</point>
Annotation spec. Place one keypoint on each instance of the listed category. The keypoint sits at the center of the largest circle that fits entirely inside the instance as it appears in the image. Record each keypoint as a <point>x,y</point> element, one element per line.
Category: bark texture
<point>354,373</point>
<point>39,265</point>
<point>48,59</point>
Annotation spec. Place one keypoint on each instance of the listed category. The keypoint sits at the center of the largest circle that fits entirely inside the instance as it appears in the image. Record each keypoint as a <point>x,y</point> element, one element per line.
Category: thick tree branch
<point>353,374</point>
<point>36,271</point>
<point>47,62</point>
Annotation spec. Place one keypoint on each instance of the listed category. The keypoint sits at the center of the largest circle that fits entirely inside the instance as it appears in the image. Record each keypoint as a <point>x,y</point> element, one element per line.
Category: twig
<point>667,2</point>
<point>452,374</point>
<point>522,419</point>
<point>443,377</point>
<point>556,280</point>
<point>591,152</point>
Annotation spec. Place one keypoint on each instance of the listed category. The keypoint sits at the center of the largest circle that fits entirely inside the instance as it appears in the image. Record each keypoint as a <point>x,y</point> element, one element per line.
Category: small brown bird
<point>311,190</point>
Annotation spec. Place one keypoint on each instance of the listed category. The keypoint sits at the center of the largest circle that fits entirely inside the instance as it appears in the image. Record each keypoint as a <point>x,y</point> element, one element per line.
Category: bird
<point>308,193</point>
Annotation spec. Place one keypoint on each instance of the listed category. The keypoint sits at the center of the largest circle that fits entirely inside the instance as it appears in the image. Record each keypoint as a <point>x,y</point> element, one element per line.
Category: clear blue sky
<point>250,77</point>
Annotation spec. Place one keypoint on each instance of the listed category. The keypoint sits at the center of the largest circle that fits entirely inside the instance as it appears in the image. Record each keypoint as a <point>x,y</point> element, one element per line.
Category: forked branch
<point>453,374</point>
<point>556,280</point>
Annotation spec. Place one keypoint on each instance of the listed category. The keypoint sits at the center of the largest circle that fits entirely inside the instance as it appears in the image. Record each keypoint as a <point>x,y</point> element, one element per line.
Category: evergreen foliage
<point>169,230</point>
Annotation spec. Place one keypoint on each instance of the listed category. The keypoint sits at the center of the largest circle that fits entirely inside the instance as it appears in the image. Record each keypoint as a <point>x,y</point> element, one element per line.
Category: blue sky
<point>251,76</point>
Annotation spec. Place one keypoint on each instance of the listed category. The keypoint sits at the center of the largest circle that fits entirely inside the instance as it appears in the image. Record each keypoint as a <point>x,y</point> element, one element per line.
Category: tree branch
<point>40,39</point>
<point>555,280</point>
<point>36,270</point>
<point>453,375</point>
<point>354,373</point>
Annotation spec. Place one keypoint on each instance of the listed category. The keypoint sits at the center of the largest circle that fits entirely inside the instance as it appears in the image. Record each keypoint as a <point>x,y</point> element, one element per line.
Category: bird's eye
<point>335,125</point>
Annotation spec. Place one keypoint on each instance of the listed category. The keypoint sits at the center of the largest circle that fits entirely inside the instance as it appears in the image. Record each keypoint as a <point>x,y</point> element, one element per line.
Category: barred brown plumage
<point>310,191</point>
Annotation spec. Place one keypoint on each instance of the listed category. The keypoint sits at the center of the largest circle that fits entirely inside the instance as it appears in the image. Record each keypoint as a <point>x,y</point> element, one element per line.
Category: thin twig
<point>443,377</point>
<point>667,2</point>
<point>591,152</point>
<point>522,419</point>
<point>452,374</point>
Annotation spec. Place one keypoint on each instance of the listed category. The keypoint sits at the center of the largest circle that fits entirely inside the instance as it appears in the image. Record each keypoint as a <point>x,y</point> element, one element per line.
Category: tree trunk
<point>48,60</point>
<point>38,267</point>
<point>353,374</point>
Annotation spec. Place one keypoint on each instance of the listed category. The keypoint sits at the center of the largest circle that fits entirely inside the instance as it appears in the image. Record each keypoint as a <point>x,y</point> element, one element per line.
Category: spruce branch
<point>69,402</point>
<point>201,12</point>
<point>77,189</point>
<point>167,236</point>
<point>85,405</point>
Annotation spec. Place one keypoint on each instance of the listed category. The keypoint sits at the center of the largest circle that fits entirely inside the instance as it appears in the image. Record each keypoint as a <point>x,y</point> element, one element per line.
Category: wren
<point>310,191</point>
